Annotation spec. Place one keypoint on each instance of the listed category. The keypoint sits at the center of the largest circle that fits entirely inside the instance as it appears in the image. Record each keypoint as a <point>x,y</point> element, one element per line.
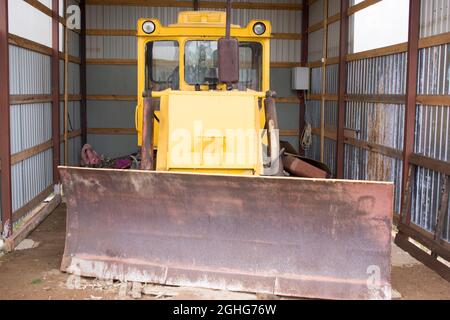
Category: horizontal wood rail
<point>379,52</point>
<point>125,131</point>
<point>112,97</point>
<point>426,42</point>
<point>132,131</point>
<point>38,98</point>
<point>430,163</point>
<point>319,96</point>
<point>329,133</point>
<point>374,147</point>
<point>319,25</point>
<point>202,4</point>
<point>44,9</point>
<point>18,214</point>
<point>280,64</point>
<point>433,100</point>
<point>72,134</point>
<point>132,33</point>
<point>28,153</point>
<point>24,43</point>
<point>29,44</point>
<point>361,6</point>
<point>29,98</point>
<point>377,98</point>
<point>320,63</point>
<point>350,139</point>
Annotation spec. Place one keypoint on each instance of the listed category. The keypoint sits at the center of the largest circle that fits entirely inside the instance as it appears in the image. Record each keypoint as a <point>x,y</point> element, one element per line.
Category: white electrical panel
<point>300,78</point>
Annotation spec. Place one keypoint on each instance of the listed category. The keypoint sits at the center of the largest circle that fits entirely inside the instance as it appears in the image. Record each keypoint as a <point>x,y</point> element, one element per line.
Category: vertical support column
<point>303,61</point>
<point>83,103</point>
<point>343,50</point>
<point>195,5</point>
<point>411,93</point>
<point>324,80</point>
<point>5,142</point>
<point>55,90</point>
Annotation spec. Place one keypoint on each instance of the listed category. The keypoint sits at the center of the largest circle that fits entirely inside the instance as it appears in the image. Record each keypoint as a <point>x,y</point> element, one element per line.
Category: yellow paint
<point>220,110</point>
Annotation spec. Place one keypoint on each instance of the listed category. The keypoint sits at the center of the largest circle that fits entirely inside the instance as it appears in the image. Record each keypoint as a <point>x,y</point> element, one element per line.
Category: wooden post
<point>411,93</point>
<point>66,94</point>
<point>324,80</point>
<point>5,144</point>
<point>55,90</point>
<point>343,50</point>
<point>304,61</point>
<point>83,103</point>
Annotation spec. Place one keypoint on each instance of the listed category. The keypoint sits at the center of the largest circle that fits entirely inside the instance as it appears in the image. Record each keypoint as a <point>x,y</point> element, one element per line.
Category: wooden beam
<point>83,76</point>
<point>37,216</point>
<point>33,203</point>
<point>377,98</point>
<point>72,59</point>
<point>379,52</point>
<point>342,88</point>
<point>289,133</point>
<point>28,153</point>
<point>430,163</point>
<point>125,131</point>
<point>281,64</point>
<point>112,97</point>
<point>432,41</point>
<point>440,268</point>
<point>112,61</point>
<point>5,140</point>
<point>29,44</point>
<point>29,98</point>
<point>361,6</point>
<point>202,4</point>
<point>411,91</point>
<point>45,10</point>
<point>55,91</point>
<point>433,100</point>
<point>301,95</point>
<point>132,33</point>
<point>374,147</point>
<point>287,100</point>
<point>72,134</point>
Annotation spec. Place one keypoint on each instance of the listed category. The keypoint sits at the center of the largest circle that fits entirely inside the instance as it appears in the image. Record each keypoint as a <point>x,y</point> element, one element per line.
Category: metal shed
<point>377,114</point>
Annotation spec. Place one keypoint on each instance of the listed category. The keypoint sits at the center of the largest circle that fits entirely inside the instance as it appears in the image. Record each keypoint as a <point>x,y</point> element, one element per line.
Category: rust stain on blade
<point>288,236</point>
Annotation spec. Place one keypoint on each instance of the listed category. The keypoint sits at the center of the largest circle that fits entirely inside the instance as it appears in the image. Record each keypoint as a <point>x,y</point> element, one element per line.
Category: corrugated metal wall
<point>432,133</point>
<point>74,105</point>
<point>381,124</point>
<point>120,78</point>
<point>31,122</point>
<point>315,105</point>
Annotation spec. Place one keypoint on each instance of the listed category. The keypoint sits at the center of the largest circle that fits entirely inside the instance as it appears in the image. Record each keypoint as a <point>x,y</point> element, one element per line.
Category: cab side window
<point>162,65</point>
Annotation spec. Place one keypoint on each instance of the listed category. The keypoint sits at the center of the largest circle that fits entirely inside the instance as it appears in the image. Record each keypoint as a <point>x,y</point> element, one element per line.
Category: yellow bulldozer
<point>218,201</point>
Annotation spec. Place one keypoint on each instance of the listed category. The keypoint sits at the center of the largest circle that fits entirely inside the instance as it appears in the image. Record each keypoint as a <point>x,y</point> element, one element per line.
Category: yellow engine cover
<point>209,131</point>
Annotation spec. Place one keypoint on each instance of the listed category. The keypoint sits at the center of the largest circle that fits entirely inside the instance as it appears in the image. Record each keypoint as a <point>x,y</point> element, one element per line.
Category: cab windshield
<point>201,64</point>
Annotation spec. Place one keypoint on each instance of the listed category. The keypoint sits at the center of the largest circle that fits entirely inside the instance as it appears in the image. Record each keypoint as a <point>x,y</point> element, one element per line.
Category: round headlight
<point>259,28</point>
<point>148,27</point>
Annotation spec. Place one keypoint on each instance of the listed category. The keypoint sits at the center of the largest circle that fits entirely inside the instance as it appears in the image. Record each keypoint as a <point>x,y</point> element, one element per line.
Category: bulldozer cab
<point>184,56</point>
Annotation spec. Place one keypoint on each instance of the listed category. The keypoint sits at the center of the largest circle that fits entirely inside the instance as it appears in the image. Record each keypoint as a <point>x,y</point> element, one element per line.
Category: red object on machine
<point>89,157</point>
<point>300,168</point>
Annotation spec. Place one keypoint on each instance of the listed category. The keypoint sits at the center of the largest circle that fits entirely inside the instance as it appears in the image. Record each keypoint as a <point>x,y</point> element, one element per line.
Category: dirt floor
<point>33,274</point>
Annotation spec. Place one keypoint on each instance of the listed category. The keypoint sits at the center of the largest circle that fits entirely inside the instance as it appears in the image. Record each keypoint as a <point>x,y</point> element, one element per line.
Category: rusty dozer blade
<point>286,236</point>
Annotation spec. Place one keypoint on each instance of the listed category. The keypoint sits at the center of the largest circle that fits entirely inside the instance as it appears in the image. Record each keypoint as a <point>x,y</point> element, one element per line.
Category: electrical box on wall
<point>300,78</point>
